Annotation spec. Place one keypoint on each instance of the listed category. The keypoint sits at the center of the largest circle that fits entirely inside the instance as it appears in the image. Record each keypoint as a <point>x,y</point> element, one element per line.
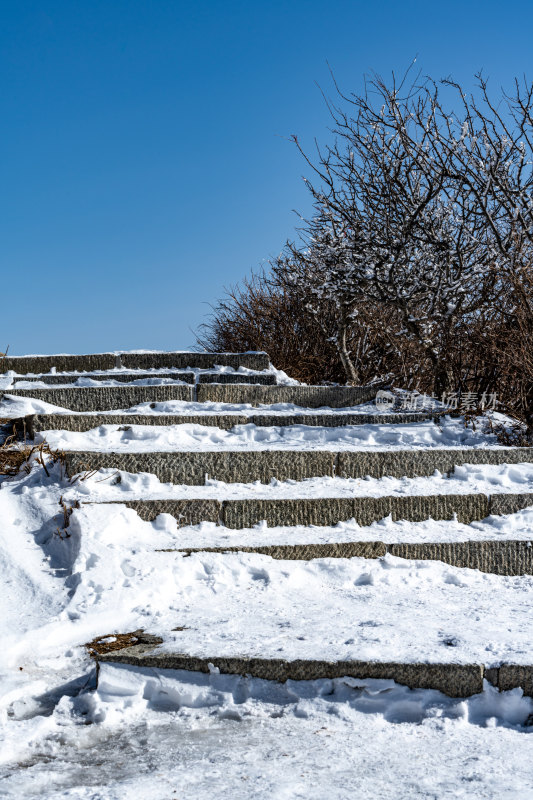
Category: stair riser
<point>495,557</point>
<point>454,680</point>
<point>255,361</point>
<point>419,463</point>
<point>41,364</point>
<point>106,398</point>
<point>229,377</point>
<point>70,422</point>
<point>191,468</point>
<point>239,514</point>
<point>158,360</point>
<point>305,396</point>
<point>365,510</point>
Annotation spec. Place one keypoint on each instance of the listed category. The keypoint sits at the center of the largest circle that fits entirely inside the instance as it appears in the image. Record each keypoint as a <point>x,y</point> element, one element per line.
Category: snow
<point>148,438</point>
<point>217,737</point>
<point>12,407</point>
<point>118,580</point>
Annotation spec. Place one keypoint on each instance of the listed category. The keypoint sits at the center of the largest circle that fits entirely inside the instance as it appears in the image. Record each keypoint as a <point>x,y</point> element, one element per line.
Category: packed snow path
<point>193,519</point>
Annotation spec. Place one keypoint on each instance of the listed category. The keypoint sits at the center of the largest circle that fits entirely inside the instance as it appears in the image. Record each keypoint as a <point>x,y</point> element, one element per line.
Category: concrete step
<point>493,556</point>
<point>81,422</point>
<point>305,396</point>
<point>265,379</point>
<point>499,556</point>
<point>454,680</point>
<point>102,361</point>
<point>328,511</point>
<point>62,363</point>
<point>106,398</point>
<point>122,377</point>
<point>181,360</point>
<point>246,466</point>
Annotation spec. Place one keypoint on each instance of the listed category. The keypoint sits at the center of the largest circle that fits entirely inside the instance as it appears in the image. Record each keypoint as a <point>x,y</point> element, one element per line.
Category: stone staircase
<point>222,382</point>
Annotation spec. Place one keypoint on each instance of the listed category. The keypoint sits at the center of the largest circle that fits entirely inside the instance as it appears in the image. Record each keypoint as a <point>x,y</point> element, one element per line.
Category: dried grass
<point>16,455</point>
<point>112,642</point>
<point>514,435</point>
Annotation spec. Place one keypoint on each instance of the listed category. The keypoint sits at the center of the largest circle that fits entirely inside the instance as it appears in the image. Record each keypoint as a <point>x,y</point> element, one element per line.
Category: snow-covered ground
<point>244,739</point>
<point>164,734</point>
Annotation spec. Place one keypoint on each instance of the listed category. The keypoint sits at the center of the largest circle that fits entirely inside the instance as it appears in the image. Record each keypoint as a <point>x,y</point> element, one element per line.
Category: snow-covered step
<point>191,467</point>
<point>267,379</point>
<point>249,511</point>
<point>306,396</point>
<point>78,398</point>
<point>492,556</point>
<point>24,365</point>
<point>454,680</point>
<point>105,398</point>
<point>38,364</point>
<point>113,375</point>
<point>35,423</point>
<point>424,624</point>
<point>499,556</point>
<point>258,361</point>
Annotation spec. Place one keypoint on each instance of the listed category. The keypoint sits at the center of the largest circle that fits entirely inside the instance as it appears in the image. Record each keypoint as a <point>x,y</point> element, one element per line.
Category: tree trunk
<point>352,374</point>
<point>444,378</point>
<point>528,412</point>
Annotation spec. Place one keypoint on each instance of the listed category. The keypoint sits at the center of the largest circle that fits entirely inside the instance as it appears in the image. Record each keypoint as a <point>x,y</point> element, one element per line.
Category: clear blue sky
<point>143,162</point>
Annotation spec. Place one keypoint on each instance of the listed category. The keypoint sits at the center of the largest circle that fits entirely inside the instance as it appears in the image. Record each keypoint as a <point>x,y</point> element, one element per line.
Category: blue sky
<point>145,163</point>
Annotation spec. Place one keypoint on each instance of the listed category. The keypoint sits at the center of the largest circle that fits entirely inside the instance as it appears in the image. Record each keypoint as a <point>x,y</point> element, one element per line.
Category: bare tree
<point>489,152</point>
<point>416,231</point>
<point>417,260</point>
<point>327,272</point>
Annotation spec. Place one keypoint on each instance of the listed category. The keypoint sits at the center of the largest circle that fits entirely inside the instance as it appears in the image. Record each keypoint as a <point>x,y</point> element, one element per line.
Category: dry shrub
<point>260,314</point>
<point>16,455</point>
<point>13,454</point>
<point>12,459</point>
<point>507,351</point>
<point>490,352</point>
